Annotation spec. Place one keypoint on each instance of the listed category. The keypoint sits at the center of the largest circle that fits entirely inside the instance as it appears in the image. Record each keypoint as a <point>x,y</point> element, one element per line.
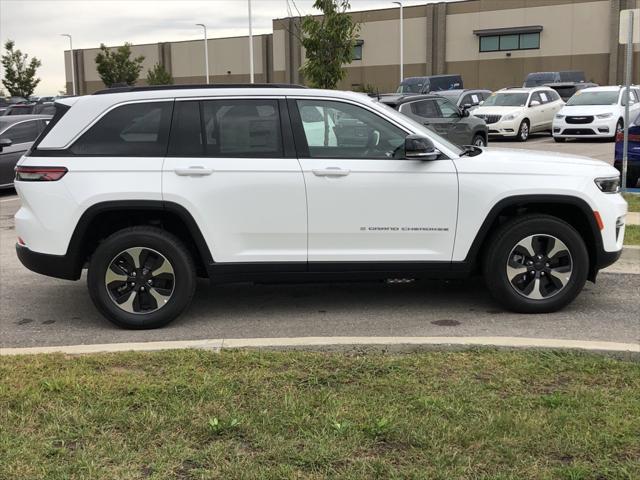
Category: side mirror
<point>464,112</point>
<point>466,106</point>
<point>534,103</point>
<point>481,102</point>
<point>5,142</point>
<point>419,148</point>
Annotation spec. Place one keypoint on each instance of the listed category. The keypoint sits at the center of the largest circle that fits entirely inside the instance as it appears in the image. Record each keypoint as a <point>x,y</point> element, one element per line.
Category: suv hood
<point>589,109</point>
<point>514,161</point>
<point>497,110</point>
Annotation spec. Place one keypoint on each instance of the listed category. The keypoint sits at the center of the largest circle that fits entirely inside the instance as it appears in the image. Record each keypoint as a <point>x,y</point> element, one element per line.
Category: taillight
<point>40,174</point>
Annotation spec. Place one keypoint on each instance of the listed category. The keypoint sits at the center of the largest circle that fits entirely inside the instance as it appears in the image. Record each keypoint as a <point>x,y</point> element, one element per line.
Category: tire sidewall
<point>184,272</point>
<point>475,139</point>
<point>495,269</point>
<point>520,131</point>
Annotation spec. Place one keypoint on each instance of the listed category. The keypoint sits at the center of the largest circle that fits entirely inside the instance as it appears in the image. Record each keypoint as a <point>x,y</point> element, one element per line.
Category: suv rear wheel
<point>536,264</point>
<point>141,277</point>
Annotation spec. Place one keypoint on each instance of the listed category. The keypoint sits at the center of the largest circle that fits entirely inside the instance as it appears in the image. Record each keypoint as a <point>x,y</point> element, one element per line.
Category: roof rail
<point>195,86</point>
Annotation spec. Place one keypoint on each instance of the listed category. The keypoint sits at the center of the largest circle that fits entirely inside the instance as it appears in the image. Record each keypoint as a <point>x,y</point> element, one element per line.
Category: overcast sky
<point>35,25</point>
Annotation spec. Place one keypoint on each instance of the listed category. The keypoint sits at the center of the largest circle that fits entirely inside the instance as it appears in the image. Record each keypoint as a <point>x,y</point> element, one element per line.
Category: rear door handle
<point>331,172</point>
<point>193,171</point>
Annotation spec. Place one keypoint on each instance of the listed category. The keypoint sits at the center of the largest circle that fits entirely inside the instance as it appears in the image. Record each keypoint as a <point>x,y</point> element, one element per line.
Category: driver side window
<point>342,130</point>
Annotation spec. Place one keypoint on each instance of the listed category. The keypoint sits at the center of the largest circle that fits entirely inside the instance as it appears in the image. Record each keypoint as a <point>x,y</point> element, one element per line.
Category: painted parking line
<point>315,342</point>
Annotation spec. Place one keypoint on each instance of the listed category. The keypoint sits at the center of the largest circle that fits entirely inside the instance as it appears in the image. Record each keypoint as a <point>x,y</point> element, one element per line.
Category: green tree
<point>159,75</point>
<point>328,42</point>
<point>115,65</point>
<point>19,72</point>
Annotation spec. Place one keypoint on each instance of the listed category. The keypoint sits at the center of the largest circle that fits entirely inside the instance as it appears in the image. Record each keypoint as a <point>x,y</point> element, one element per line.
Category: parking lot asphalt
<point>39,311</point>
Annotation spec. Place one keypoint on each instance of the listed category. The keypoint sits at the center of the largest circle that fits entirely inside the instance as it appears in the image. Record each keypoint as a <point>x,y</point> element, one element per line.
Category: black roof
<point>195,86</point>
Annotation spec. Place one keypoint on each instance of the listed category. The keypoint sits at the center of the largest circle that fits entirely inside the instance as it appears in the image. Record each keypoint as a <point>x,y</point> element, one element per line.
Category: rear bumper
<point>58,266</point>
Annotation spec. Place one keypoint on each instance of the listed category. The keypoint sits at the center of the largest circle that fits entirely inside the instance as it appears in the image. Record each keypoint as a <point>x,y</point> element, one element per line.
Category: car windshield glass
<point>506,100</point>
<point>410,86</point>
<point>452,95</point>
<point>594,98</point>
<point>536,79</point>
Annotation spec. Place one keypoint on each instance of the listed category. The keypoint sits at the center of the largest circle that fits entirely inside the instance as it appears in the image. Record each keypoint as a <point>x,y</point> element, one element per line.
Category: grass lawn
<point>478,414</point>
<point>632,235</point>
<point>633,199</point>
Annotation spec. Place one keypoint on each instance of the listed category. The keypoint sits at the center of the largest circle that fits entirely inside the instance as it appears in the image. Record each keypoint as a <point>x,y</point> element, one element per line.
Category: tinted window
<point>535,97</point>
<point>509,42</point>
<point>447,109</point>
<point>500,99</point>
<point>540,78</point>
<point>490,44</point>
<point>529,41</point>
<point>134,130</point>
<point>226,128</point>
<point>22,132</point>
<point>603,97</point>
<point>572,76</point>
<point>342,130</point>
<point>449,82</point>
<point>425,109</point>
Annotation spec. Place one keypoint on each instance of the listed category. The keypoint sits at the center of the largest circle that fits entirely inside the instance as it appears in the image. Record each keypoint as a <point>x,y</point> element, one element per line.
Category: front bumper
<point>598,128</point>
<point>58,266</point>
<point>504,128</point>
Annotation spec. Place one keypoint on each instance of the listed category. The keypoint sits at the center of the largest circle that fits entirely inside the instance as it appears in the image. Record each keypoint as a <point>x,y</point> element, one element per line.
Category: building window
<point>356,53</point>
<point>522,41</point>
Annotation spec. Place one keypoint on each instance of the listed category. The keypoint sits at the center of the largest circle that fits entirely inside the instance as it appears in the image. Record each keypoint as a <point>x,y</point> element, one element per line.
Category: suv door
<point>536,112</point>
<point>228,163</point>
<point>366,203</point>
<point>458,129</point>
<point>22,135</point>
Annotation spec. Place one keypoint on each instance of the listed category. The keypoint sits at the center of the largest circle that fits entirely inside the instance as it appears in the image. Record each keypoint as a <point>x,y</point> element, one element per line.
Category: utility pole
<point>401,40</point>
<point>206,51</point>
<point>73,70</point>
<point>251,69</point>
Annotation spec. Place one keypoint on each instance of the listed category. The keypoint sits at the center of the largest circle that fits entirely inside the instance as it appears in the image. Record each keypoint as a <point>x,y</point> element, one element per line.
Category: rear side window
<point>227,129</point>
<point>425,109</point>
<point>22,132</point>
<point>133,130</point>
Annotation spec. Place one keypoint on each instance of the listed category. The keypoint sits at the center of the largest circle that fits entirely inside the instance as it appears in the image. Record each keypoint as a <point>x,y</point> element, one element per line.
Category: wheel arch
<point>573,210</point>
<point>105,218</point>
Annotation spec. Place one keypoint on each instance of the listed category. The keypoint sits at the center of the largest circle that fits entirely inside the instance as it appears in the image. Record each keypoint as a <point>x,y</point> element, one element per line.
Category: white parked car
<point>518,112</point>
<point>596,112</point>
<point>150,187</point>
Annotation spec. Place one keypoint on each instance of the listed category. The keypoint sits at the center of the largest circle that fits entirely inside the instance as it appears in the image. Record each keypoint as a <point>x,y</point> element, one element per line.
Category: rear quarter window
<point>132,130</point>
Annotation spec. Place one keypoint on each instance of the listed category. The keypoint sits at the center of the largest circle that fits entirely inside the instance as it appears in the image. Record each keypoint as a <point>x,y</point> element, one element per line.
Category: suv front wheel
<point>536,264</point>
<point>141,277</point>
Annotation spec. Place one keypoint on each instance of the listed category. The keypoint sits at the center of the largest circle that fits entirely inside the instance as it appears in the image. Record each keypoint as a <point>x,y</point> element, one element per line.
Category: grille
<point>578,131</point>
<point>489,119</point>
<point>580,120</point>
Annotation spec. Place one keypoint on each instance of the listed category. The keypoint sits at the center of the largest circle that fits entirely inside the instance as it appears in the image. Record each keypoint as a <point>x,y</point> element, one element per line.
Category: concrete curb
<point>316,342</point>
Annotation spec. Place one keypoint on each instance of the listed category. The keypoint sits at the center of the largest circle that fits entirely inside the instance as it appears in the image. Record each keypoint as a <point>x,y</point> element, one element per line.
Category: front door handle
<point>193,171</point>
<point>331,172</point>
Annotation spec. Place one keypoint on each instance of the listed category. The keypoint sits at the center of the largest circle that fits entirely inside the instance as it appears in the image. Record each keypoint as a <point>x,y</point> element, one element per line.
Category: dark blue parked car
<point>633,165</point>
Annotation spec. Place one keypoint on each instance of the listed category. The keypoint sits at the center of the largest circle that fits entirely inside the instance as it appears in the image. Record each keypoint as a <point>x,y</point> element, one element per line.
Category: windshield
<point>452,95</point>
<point>506,100</point>
<point>422,130</point>
<point>411,86</point>
<point>537,79</point>
<point>594,98</point>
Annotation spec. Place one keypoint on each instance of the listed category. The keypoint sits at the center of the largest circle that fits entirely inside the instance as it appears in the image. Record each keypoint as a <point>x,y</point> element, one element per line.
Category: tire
<point>523,131</point>
<point>559,139</point>
<point>543,292</point>
<point>479,141</point>
<point>158,298</point>
<point>619,128</point>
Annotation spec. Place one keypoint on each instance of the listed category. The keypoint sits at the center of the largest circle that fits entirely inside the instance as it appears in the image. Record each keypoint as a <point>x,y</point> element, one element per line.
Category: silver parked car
<point>17,134</point>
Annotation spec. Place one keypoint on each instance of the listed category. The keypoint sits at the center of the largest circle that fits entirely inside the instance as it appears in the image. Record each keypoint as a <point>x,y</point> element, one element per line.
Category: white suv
<point>151,187</point>
<point>518,112</point>
<point>595,113</point>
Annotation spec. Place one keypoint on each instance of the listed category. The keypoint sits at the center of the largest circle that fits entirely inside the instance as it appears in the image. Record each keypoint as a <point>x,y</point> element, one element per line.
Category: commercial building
<point>492,43</point>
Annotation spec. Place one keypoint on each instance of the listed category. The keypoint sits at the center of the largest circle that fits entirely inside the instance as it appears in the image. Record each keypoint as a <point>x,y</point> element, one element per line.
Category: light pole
<point>206,50</point>
<point>251,72</point>
<point>401,41</point>
<point>73,70</point>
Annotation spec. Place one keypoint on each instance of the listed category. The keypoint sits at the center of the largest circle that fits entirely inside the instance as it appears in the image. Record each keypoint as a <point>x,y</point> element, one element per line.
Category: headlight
<point>608,184</point>
<point>605,115</point>
<point>511,116</point>
<point>559,117</point>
